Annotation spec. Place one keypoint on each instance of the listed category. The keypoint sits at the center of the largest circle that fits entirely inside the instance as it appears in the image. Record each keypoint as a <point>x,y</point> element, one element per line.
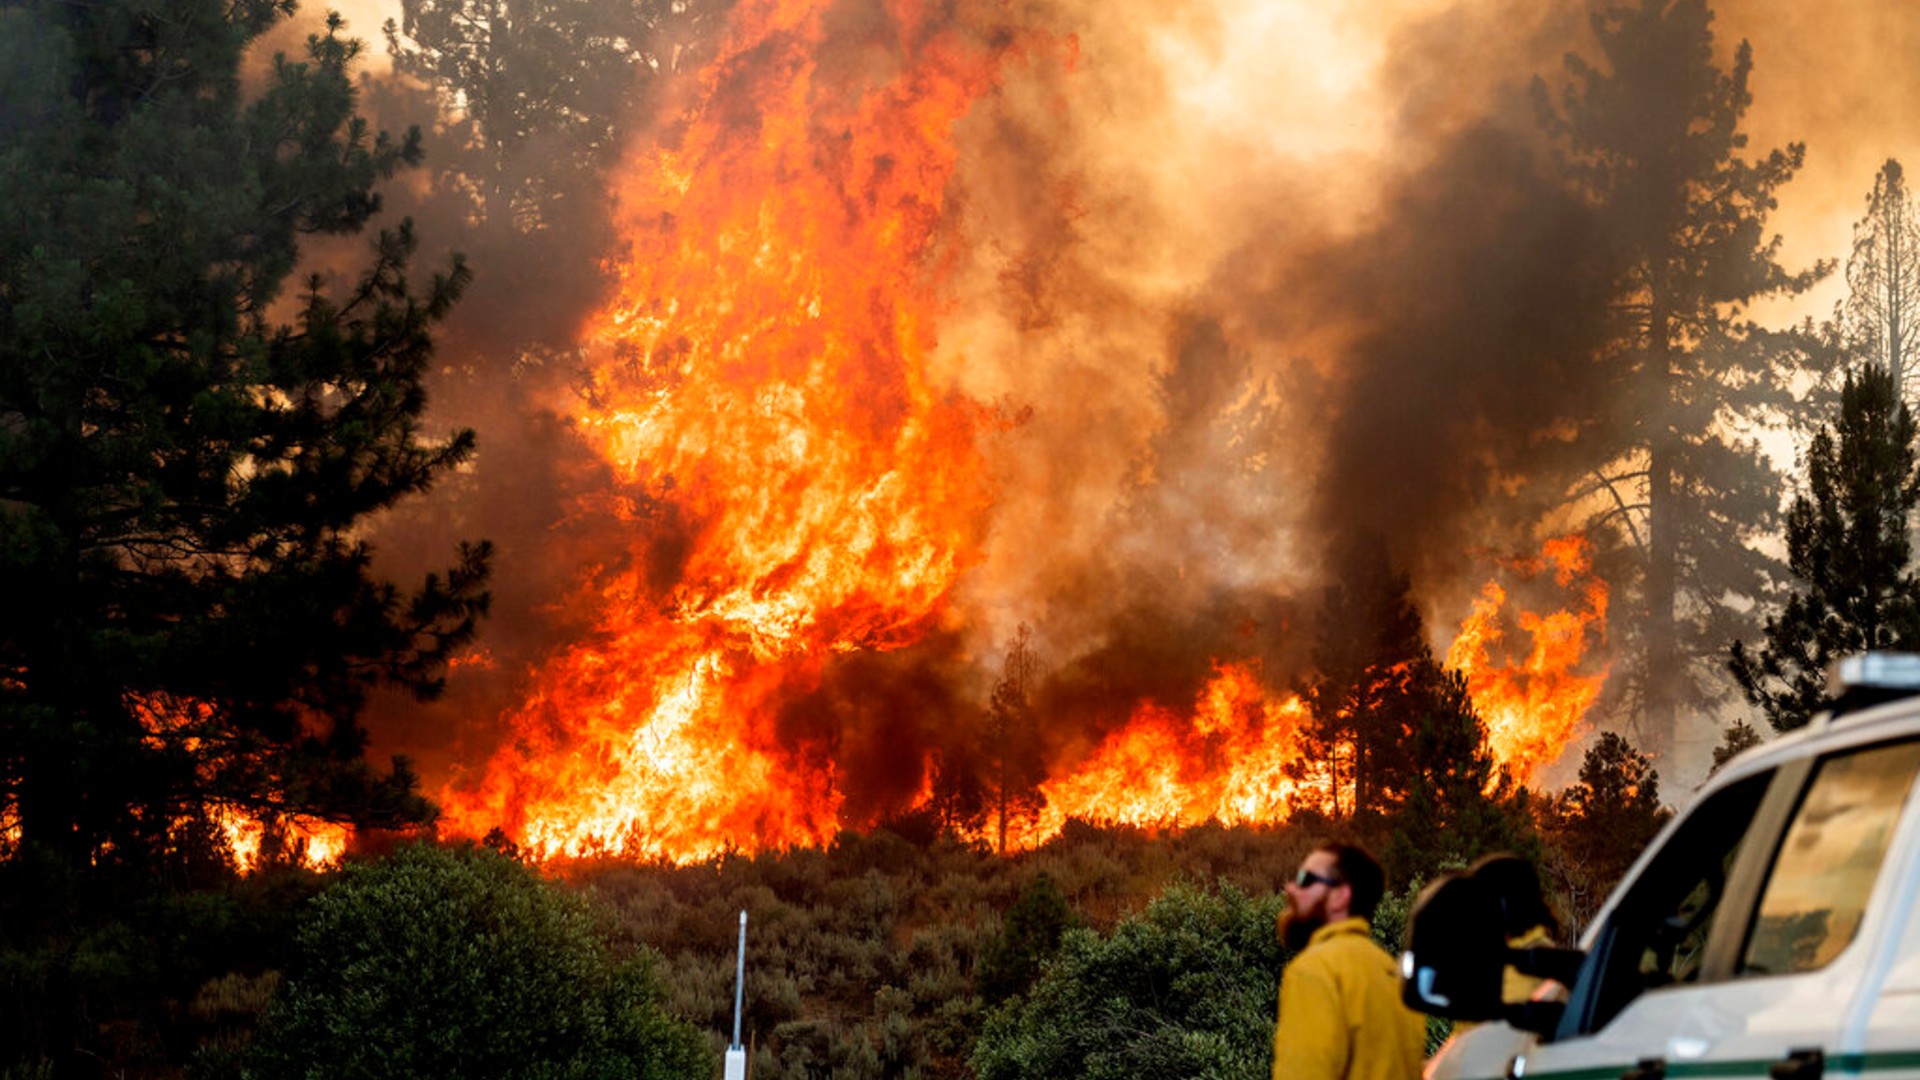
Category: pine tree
<point>1599,826</point>
<point>1651,136</point>
<point>531,91</point>
<point>529,103</point>
<point>1363,700</point>
<point>186,449</point>
<point>1847,545</point>
<point>1735,739</point>
<point>1877,319</point>
<point>1013,752</point>
<point>1459,804</point>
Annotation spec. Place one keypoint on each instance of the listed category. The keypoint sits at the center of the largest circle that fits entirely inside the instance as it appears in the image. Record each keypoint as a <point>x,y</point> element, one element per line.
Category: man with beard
<point>1341,1017</point>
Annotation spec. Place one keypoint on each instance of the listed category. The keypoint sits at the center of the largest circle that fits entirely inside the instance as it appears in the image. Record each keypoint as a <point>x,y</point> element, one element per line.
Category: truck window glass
<point>1817,890</point>
<point>1658,933</point>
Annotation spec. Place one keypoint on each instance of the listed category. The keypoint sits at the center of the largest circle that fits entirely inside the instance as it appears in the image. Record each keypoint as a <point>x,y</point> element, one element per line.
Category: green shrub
<point>1187,988</point>
<point>460,962</point>
<point>1027,940</point>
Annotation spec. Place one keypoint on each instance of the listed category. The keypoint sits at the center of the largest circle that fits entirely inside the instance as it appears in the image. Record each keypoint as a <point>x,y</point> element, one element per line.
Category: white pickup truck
<point>1770,930</point>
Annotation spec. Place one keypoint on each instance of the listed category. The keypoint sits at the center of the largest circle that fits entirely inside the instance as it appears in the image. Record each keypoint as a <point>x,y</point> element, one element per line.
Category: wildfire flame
<point>759,388</point>
<point>185,725</point>
<point>798,487</point>
<point>1233,760</point>
<point>305,841</point>
<point>1535,703</point>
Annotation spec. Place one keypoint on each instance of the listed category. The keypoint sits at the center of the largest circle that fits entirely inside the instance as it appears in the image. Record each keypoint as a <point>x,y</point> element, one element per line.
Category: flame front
<point>1535,704</point>
<point>759,388</point>
<point>796,486</point>
<point>305,841</point>
<point>191,727</point>
<point>1233,759</point>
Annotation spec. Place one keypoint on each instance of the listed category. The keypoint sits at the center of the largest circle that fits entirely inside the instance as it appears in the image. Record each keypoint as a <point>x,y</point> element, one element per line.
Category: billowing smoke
<point>1237,281</point>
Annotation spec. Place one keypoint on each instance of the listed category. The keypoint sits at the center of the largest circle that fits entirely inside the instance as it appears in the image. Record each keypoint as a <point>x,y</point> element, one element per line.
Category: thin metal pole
<point>739,980</point>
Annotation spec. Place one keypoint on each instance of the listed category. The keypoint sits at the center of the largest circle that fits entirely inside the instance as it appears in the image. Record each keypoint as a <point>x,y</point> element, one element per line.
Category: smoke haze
<point>1237,280</point>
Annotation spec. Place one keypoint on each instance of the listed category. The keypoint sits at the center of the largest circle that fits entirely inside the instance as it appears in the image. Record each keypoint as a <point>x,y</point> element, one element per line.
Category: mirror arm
<point>1560,965</point>
<point>1538,1017</point>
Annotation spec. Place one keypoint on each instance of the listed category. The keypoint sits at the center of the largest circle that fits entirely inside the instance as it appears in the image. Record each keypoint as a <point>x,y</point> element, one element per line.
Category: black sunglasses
<point>1307,878</point>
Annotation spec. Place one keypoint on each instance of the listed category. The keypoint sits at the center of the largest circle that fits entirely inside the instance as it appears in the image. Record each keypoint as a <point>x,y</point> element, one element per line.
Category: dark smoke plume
<point>1225,334</point>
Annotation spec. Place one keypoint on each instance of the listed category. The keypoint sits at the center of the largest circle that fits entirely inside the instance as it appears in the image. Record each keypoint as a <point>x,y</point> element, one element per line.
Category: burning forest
<point>972,411</point>
<point>896,478</point>
<point>783,453</point>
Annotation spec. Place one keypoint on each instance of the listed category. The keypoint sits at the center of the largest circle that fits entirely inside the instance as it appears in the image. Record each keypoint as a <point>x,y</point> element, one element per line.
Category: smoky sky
<point>1478,305</point>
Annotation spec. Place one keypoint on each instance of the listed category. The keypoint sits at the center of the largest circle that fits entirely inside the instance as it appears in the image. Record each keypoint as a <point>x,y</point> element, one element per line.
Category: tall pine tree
<point>1877,319</point>
<point>1650,135</point>
<point>1847,544</point>
<point>186,448</point>
<point>1365,697</point>
<point>1013,750</point>
<point>1459,804</point>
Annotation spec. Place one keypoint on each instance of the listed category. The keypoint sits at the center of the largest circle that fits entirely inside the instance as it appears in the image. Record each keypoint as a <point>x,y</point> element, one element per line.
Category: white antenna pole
<point>736,1064</point>
<point>739,980</point>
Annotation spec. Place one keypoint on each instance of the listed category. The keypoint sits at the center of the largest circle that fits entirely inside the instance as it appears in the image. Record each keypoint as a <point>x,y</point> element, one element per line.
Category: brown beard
<point>1296,930</point>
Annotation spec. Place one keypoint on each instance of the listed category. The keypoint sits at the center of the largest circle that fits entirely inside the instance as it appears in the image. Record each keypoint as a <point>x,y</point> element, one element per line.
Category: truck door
<point>1738,950</point>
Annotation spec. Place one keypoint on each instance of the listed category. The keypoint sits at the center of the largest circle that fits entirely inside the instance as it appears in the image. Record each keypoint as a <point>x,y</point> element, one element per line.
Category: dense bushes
<point>460,962</point>
<point>879,957</point>
<point>867,960</point>
<point>1185,989</point>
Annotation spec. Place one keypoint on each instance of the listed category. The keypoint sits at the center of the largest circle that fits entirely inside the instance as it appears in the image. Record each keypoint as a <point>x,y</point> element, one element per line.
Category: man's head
<point>1334,882</point>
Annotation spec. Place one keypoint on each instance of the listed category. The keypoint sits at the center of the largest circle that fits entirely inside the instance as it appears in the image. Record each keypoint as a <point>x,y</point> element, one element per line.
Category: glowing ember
<point>759,387</point>
<point>304,841</point>
<point>187,726</point>
<point>1230,761</point>
<point>1534,704</point>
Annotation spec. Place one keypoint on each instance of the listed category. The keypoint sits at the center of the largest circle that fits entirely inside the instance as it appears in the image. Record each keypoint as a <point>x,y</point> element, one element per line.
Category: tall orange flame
<point>798,487</point>
<point>1231,760</point>
<point>759,387</point>
<point>1535,703</point>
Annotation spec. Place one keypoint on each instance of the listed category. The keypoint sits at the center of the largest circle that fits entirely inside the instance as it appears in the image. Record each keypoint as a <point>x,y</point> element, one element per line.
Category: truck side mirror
<point>1456,952</point>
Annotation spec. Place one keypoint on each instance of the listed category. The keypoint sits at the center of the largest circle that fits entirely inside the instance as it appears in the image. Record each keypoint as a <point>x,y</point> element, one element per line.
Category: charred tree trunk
<point>1663,666</point>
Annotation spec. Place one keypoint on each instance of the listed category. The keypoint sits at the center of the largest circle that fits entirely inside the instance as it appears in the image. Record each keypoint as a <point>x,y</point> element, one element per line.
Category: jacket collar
<point>1336,929</point>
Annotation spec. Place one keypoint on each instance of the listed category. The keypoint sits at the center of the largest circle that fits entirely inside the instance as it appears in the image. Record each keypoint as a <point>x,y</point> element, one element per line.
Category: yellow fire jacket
<point>1340,1012</point>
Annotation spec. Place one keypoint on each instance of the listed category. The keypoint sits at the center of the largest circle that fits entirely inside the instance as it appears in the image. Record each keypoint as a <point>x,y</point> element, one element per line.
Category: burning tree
<point>798,486</point>
<point>1013,733</point>
<point>191,624</point>
<point>1650,136</point>
<point>530,102</point>
<point>1370,655</point>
